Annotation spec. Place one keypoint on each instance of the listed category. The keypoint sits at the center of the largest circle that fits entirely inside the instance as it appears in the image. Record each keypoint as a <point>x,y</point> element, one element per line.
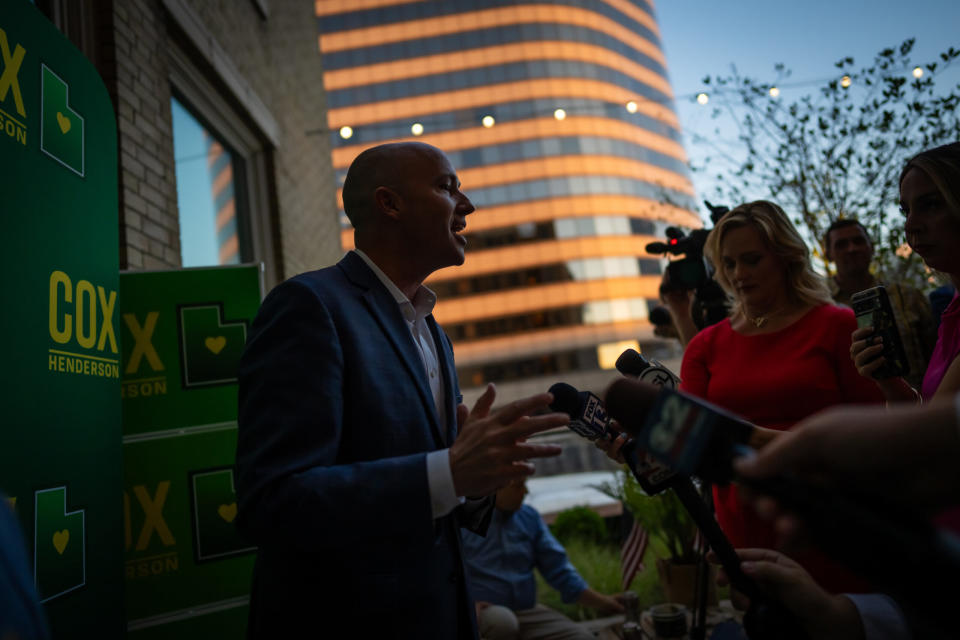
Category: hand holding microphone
<point>697,438</point>
<point>589,419</point>
<point>766,619</point>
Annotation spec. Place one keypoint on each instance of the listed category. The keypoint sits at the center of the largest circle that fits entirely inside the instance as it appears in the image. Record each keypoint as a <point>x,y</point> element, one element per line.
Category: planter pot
<point>679,580</point>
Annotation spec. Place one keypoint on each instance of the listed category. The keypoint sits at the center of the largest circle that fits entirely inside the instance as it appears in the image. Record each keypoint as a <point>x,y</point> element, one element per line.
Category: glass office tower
<point>558,117</point>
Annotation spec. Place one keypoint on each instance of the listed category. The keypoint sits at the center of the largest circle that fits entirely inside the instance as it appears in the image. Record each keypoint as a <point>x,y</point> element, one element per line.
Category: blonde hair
<point>804,285</point>
<point>942,165</point>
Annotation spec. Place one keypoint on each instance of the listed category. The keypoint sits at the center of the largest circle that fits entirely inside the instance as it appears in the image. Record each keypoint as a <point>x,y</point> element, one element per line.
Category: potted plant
<point>665,519</point>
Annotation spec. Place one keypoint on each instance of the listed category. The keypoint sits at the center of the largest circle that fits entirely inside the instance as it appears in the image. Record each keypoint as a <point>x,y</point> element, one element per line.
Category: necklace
<point>760,321</point>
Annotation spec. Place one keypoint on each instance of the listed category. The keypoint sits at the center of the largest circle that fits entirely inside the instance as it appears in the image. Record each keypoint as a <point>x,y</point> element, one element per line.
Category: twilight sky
<point>704,37</point>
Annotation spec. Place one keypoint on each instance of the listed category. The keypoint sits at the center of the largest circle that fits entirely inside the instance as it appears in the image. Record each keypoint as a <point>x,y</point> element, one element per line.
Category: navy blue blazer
<point>335,420</point>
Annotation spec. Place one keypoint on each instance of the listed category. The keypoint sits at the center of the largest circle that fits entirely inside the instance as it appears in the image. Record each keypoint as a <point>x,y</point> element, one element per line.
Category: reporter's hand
<point>823,616</point>
<point>612,446</point>
<point>865,350</point>
<point>902,453</point>
<point>490,450</point>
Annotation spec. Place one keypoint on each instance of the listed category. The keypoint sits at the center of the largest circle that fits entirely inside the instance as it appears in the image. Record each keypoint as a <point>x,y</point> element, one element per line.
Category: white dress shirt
<point>443,497</point>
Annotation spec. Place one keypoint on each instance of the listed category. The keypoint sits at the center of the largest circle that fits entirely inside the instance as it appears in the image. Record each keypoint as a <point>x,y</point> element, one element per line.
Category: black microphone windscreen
<point>566,399</point>
<point>660,315</point>
<point>631,363</point>
<point>629,402</point>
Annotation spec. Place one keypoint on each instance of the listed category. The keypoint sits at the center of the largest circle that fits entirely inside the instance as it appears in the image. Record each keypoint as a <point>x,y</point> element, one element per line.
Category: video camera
<point>692,273</point>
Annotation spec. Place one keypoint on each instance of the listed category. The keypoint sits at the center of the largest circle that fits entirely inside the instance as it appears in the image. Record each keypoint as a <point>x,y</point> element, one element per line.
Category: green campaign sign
<point>60,460</point>
<point>182,334</point>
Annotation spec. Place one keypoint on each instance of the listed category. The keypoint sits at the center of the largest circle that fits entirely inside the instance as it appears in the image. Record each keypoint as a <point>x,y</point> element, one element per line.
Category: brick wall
<point>279,60</point>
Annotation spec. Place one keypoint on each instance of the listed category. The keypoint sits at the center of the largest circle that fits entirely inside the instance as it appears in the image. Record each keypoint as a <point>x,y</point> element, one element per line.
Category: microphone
<point>633,365</point>
<point>680,429</point>
<point>697,438</point>
<point>587,416</point>
<point>589,419</point>
<point>766,620</point>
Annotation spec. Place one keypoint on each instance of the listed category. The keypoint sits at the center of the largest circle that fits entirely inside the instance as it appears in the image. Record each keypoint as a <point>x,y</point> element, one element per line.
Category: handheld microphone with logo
<point>587,416</point>
<point>679,429</point>
<point>589,420</point>
<point>633,365</point>
<point>695,437</point>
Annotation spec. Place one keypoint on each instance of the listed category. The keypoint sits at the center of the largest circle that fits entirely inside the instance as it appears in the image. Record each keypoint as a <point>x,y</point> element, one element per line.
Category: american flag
<point>631,553</point>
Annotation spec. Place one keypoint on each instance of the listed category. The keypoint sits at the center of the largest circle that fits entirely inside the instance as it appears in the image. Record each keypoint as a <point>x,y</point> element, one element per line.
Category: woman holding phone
<point>930,200</point>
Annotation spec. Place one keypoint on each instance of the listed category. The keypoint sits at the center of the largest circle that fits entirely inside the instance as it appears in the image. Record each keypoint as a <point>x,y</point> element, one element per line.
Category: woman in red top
<point>783,355</point>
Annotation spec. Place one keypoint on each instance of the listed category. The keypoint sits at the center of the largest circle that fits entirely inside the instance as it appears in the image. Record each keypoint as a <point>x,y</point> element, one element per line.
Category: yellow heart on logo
<point>60,540</point>
<point>215,345</point>
<point>228,511</point>
<point>63,121</point>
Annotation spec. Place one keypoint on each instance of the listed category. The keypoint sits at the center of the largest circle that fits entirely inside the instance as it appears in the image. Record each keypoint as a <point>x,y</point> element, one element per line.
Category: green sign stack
<point>60,462</point>
<point>187,570</point>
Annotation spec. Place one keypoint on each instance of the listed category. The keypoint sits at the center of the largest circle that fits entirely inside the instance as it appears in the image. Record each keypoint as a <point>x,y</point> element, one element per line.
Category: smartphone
<point>872,308</point>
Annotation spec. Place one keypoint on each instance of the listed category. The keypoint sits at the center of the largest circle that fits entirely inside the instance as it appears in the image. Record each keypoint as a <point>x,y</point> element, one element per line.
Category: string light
<point>632,106</point>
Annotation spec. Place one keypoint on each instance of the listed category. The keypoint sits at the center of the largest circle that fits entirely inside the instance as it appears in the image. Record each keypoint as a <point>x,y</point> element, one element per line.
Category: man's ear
<point>388,202</point>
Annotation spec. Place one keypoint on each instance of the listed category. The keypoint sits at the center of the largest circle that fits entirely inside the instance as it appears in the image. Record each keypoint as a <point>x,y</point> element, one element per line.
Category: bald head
<point>386,165</point>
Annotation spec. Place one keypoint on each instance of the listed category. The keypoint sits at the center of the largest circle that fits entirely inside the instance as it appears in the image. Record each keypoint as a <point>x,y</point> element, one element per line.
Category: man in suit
<point>356,461</point>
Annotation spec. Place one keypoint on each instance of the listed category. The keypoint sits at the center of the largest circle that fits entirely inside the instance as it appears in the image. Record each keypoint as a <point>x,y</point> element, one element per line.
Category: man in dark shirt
<point>848,246</point>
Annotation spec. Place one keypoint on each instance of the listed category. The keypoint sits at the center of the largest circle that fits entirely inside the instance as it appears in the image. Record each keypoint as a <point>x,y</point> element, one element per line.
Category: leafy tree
<point>837,152</point>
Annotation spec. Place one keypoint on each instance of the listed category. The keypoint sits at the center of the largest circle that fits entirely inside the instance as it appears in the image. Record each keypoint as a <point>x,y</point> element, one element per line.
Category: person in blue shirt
<point>501,572</point>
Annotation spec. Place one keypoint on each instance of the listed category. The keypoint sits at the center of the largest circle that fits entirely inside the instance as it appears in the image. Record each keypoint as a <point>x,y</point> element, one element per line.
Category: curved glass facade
<point>556,267</point>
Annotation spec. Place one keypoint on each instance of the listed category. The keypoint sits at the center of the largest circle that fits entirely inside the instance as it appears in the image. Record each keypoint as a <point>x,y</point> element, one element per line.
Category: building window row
<point>487,37</point>
<point>484,76</point>
<point>577,185</point>
<point>563,228</point>
<point>570,271</point>
<point>555,146</point>
<point>514,370</point>
<point>590,313</point>
<point>552,364</point>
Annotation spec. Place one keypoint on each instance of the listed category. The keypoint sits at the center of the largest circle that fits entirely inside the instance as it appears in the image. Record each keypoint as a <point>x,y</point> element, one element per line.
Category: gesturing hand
<point>490,449</point>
